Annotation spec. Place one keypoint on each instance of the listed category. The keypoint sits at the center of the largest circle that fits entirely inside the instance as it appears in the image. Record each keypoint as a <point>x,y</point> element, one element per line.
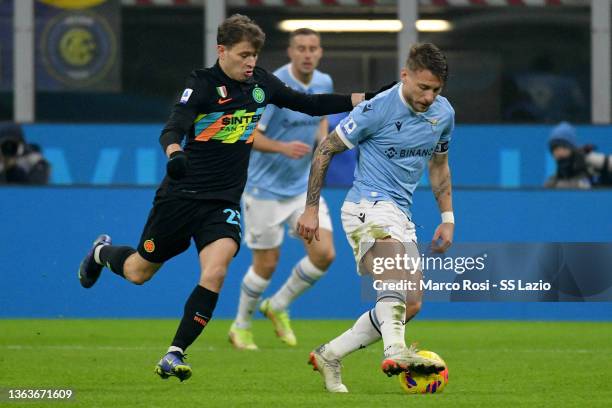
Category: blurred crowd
<point>21,162</point>
<point>578,166</point>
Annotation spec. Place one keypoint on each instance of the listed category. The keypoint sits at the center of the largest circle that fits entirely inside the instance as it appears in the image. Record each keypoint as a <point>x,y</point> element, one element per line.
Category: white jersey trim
<point>342,137</point>
<point>302,84</point>
<point>401,96</point>
<point>405,102</point>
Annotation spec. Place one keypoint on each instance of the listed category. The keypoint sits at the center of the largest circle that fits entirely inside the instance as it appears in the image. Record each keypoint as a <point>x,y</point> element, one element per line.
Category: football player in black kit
<point>200,196</point>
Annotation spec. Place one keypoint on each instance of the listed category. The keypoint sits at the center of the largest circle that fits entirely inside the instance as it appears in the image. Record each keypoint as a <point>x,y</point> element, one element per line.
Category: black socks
<point>198,311</point>
<point>113,257</point>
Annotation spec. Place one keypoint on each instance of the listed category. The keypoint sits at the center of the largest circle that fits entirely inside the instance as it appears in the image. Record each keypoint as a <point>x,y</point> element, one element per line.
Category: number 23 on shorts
<point>233,216</point>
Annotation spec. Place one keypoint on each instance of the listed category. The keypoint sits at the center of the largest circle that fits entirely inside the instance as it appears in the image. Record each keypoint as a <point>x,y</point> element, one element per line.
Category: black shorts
<point>174,221</point>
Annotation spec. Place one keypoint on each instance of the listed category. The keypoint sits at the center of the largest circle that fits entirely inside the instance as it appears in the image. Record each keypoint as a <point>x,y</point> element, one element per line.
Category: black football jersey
<point>218,115</point>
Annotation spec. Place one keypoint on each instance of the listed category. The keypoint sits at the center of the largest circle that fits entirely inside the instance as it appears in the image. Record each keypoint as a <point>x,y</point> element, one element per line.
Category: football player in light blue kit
<point>399,133</point>
<point>275,195</point>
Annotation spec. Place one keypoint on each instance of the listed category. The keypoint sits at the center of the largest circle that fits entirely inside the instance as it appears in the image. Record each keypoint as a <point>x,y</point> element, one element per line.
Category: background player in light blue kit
<point>276,193</point>
<point>399,132</point>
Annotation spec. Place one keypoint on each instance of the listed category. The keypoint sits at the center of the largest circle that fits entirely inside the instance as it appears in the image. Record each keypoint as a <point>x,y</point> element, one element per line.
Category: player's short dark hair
<point>239,28</point>
<point>303,31</point>
<point>428,56</point>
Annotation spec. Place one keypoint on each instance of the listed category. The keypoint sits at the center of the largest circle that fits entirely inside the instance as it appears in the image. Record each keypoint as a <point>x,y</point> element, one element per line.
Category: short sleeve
<point>359,124</point>
<point>262,124</point>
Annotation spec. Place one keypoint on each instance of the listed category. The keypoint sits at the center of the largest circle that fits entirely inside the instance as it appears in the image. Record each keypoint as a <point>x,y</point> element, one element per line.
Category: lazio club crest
<point>433,123</point>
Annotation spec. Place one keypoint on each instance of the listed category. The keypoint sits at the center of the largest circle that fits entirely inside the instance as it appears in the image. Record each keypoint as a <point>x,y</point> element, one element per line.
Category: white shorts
<point>368,221</point>
<point>264,220</point>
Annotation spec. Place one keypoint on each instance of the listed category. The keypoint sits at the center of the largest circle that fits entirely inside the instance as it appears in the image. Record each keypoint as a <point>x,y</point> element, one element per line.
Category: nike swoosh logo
<point>222,101</point>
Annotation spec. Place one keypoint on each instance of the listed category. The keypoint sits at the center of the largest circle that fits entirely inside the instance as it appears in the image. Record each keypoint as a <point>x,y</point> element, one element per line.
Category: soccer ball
<point>414,383</point>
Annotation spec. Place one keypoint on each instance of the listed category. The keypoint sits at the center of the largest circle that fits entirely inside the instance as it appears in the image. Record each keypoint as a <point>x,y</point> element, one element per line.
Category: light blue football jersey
<point>395,144</point>
<point>273,175</point>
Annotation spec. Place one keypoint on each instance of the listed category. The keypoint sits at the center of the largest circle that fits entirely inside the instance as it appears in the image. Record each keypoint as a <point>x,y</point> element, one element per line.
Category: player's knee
<point>214,276</point>
<point>137,270</point>
<point>412,308</point>
<point>323,259</point>
<point>135,273</point>
<point>139,277</point>
<point>264,263</point>
<point>266,267</point>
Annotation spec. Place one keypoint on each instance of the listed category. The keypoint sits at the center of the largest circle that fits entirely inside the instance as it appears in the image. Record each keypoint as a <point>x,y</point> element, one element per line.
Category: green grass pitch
<point>109,363</point>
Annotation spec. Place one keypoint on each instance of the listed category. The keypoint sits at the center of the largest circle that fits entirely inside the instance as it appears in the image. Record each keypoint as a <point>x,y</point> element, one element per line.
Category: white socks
<point>391,313</point>
<point>303,276</point>
<point>363,333</point>
<point>386,320</point>
<point>251,289</point>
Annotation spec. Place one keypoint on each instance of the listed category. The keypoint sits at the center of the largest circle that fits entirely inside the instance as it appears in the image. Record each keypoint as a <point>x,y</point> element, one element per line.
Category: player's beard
<point>423,107</point>
<point>418,106</point>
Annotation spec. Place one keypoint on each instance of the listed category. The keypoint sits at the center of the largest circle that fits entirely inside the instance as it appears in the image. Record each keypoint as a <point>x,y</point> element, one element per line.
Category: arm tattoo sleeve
<point>442,189</point>
<point>320,162</point>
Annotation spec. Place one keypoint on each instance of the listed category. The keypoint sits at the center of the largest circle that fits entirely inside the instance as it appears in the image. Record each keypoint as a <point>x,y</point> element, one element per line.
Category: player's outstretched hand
<point>308,224</point>
<point>443,237</point>
<point>296,149</point>
<point>177,165</point>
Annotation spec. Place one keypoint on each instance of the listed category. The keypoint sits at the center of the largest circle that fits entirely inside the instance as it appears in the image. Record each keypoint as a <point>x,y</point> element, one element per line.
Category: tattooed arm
<point>308,223</point>
<point>320,162</point>
<point>440,180</point>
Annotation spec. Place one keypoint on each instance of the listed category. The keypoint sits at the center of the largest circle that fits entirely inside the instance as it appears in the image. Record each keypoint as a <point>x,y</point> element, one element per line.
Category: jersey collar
<point>302,84</point>
<point>405,102</point>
